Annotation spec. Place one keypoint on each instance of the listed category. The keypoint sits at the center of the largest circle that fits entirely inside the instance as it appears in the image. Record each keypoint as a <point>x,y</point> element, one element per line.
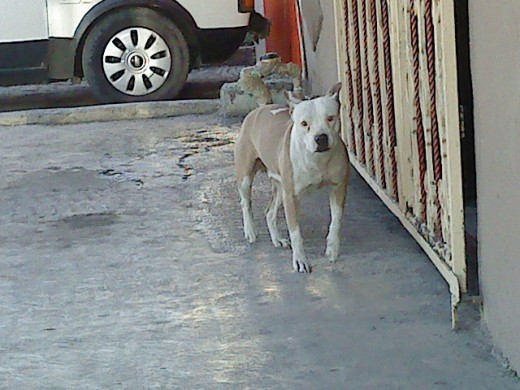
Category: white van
<point>128,50</point>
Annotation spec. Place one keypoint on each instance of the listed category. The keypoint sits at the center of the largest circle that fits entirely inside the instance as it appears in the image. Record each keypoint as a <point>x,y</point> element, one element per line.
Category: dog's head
<point>316,121</point>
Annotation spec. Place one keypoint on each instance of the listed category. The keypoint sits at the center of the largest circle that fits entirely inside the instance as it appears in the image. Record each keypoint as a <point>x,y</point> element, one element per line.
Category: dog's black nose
<point>323,142</point>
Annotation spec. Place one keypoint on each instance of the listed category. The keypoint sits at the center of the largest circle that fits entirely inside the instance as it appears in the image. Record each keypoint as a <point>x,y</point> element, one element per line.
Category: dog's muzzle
<point>322,141</point>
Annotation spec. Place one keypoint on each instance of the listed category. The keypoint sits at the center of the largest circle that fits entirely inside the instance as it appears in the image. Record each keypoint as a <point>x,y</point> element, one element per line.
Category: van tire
<point>97,65</point>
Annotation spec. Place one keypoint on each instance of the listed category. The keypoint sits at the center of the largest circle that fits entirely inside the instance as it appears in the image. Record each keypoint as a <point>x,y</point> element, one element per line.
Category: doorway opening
<point>465,91</point>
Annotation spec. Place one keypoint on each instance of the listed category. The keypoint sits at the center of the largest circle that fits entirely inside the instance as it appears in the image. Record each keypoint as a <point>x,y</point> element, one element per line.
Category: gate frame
<point>445,41</point>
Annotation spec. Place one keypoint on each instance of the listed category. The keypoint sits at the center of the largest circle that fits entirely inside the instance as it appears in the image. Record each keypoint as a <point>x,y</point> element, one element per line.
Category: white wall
<point>495,56</point>
<point>320,44</point>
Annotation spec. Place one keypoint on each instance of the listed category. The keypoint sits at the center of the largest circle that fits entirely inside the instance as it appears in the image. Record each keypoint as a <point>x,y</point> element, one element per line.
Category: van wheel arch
<point>169,8</point>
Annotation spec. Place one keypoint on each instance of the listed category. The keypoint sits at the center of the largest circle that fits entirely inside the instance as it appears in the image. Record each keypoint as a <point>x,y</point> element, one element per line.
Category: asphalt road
<point>202,83</point>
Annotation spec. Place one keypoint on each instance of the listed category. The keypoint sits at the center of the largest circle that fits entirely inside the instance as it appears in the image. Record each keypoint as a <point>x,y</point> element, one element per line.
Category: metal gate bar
<point>397,60</point>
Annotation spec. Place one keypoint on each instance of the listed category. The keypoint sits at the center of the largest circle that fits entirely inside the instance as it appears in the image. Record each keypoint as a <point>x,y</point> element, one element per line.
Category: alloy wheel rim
<point>137,61</point>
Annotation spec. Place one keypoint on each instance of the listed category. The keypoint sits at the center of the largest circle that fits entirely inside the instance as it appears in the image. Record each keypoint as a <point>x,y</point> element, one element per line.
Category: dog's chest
<point>308,175</point>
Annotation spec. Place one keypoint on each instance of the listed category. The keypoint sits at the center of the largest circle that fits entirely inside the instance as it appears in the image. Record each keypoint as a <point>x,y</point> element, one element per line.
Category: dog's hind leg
<point>244,188</point>
<point>247,165</point>
<point>272,213</point>
<point>337,205</point>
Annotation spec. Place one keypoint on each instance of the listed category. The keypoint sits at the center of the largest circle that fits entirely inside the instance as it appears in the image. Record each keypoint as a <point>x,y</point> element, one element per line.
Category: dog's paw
<point>250,234</point>
<point>301,266</point>
<point>281,243</point>
<point>332,251</point>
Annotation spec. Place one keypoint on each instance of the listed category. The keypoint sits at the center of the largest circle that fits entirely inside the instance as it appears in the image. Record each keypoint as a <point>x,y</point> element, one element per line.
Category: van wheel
<point>135,55</point>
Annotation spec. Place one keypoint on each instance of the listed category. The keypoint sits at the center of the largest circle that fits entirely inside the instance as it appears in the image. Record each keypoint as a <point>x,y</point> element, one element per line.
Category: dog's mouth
<point>322,149</point>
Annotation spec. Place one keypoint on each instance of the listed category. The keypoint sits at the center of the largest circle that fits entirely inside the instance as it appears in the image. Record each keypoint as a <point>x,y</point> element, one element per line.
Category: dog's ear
<point>292,100</point>
<point>334,91</point>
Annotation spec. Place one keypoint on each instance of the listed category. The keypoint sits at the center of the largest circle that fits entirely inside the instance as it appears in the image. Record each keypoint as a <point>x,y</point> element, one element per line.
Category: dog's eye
<point>331,118</point>
<point>304,124</point>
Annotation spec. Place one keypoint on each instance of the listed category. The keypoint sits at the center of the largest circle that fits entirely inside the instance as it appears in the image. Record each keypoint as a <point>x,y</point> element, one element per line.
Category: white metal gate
<point>397,61</point>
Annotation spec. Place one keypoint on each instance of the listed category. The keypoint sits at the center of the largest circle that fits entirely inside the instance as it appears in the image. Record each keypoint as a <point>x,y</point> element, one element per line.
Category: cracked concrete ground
<point>122,266</point>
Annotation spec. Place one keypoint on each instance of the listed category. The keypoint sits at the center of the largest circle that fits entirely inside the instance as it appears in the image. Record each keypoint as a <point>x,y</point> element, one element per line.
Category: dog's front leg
<point>337,205</point>
<point>291,207</point>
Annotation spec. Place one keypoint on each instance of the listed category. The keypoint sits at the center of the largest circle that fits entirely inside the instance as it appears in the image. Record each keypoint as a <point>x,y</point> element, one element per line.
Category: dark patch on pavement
<point>90,220</point>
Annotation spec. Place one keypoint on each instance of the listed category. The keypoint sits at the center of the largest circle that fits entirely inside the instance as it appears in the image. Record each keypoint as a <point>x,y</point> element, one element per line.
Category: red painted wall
<point>284,38</point>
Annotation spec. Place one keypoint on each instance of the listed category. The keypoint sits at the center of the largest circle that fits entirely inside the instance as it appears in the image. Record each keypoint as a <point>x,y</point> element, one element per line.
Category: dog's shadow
<point>366,223</point>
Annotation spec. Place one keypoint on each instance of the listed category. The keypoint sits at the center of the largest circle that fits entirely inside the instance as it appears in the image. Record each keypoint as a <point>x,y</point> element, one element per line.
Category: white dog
<point>299,147</point>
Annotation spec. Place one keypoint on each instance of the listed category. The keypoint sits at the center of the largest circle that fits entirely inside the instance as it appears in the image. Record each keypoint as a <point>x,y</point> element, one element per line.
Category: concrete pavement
<point>122,266</point>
